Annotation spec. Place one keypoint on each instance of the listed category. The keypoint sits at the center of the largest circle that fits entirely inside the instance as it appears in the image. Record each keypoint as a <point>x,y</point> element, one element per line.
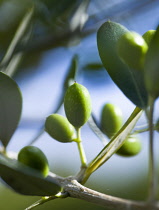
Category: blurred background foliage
<point>39,59</point>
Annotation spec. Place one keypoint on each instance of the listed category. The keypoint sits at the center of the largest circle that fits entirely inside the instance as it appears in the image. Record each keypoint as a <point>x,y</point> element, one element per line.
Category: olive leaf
<point>114,144</point>
<point>10,59</point>
<point>72,71</point>
<point>57,10</point>
<point>80,16</point>
<point>130,82</point>
<point>10,107</point>
<point>25,180</point>
<point>96,66</point>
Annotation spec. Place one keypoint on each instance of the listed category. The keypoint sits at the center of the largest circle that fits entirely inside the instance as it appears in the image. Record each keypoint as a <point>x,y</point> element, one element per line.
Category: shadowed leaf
<point>25,180</point>
<point>10,107</point>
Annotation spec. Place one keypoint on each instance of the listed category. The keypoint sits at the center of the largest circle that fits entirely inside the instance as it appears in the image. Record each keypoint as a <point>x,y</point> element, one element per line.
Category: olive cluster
<point>111,122</point>
<point>77,105</point>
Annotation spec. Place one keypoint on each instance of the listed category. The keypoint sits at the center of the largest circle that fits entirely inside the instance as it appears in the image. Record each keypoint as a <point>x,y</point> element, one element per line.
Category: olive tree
<point>131,60</point>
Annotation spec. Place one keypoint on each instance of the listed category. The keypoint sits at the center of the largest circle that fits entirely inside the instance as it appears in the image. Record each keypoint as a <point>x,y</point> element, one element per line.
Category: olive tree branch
<point>76,190</point>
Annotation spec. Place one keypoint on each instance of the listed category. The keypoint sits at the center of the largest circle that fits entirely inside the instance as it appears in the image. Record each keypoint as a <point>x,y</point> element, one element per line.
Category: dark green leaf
<point>26,181</point>
<point>93,66</point>
<point>130,82</point>
<point>10,107</point>
<point>58,9</point>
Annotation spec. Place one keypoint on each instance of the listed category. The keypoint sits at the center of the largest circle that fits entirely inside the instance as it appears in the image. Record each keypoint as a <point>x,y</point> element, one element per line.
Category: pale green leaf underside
<point>26,181</point>
<point>10,107</point>
<point>115,142</point>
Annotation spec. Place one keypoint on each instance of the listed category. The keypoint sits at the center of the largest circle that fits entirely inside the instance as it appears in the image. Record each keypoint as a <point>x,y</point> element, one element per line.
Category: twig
<point>40,202</point>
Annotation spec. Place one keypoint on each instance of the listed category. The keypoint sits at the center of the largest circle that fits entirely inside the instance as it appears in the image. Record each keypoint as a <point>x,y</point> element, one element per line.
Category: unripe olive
<point>151,68</point>
<point>33,157</point>
<point>148,36</point>
<point>131,147</point>
<point>111,119</point>
<point>132,49</point>
<point>59,128</point>
<point>77,104</point>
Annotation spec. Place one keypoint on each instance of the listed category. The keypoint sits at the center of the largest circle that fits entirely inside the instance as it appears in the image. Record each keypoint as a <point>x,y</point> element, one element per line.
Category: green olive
<point>151,67</point>
<point>111,119</point>
<point>148,36</point>
<point>59,128</point>
<point>131,147</point>
<point>33,157</point>
<point>132,49</point>
<point>77,104</point>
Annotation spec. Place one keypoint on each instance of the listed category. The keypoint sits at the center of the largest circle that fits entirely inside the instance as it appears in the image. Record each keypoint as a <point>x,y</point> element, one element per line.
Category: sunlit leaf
<point>80,16</point>
<point>131,82</point>
<point>26,181</point>
<point>114,144</point>
<point>10,107</point>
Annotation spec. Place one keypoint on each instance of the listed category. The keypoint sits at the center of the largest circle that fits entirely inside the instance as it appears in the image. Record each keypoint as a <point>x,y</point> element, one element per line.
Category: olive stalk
<point>81,149</point>
<point>71,74</point>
